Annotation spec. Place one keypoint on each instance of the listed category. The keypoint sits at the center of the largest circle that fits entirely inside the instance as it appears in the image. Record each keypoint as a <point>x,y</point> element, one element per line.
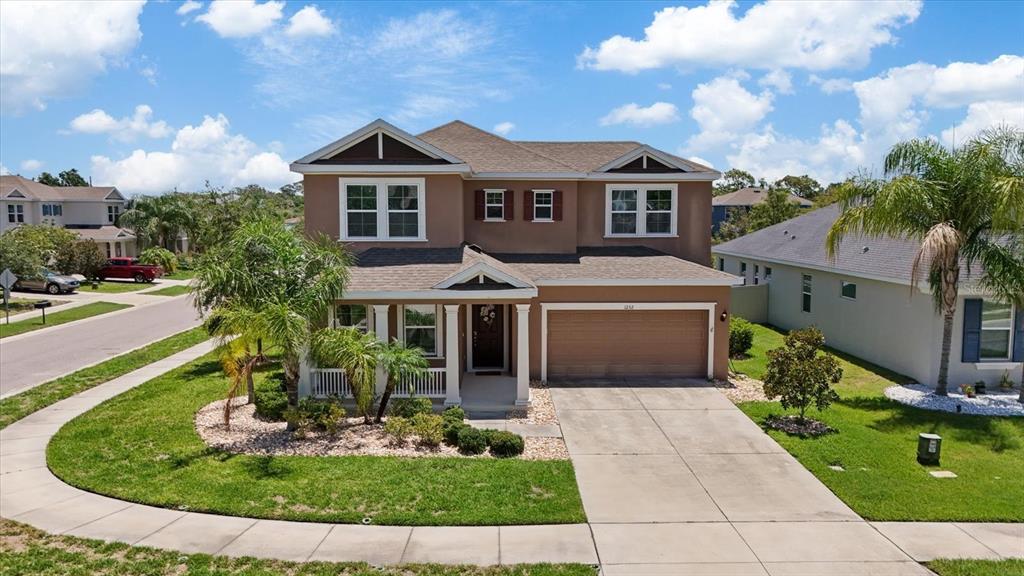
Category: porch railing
<point>327,382</point>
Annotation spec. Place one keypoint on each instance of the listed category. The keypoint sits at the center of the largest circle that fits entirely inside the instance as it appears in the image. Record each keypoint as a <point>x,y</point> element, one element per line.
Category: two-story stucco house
<point>508,261</point>
<point>90,211</point>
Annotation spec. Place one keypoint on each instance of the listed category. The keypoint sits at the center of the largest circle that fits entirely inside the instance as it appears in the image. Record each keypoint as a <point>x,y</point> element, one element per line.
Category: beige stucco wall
<point>517,234</point>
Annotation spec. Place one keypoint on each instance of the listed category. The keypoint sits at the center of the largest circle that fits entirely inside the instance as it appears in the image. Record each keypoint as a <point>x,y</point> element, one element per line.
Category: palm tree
<point>355,352</point>
<point>964,206</point>
<point>269,285</point>
<point>156,220</point>
<point>401,363</point>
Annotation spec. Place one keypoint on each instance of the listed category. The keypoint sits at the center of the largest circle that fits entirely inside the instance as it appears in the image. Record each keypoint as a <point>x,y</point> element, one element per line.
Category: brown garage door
<point>596,343</point>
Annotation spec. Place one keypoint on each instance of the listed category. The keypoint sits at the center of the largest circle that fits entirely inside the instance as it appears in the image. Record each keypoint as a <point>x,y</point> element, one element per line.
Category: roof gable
<point>15,193</point>
<point>640,159</point>
<point>379,142</point>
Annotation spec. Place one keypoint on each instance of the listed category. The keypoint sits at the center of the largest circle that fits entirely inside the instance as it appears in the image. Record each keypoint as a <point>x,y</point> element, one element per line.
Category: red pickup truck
<point>130,268</point>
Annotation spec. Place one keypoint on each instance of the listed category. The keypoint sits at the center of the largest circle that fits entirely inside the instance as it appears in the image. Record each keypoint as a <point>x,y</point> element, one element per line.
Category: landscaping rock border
<point>995,403</point>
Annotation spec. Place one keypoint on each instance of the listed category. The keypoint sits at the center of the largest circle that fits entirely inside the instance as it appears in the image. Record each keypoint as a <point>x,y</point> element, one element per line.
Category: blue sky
<point>164,95</point>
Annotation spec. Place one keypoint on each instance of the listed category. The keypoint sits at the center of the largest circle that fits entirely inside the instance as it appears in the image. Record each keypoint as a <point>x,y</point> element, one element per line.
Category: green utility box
<point>928,448</point>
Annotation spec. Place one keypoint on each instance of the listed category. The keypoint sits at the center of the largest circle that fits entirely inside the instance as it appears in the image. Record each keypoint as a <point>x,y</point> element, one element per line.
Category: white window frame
<point>489,204</point>
<point>842,285</point>
<point>333,317</point>
<point>16,213</point>
<point>1008,329</point>
<point>438,334</point>
<point>757,272</point>
<point>743,272</point>
<point>641,210</point>
<point>54,209</point>
<point>113,211</point>
<point>550,205</point>
<point>806,289</point>
<point>383,230</point>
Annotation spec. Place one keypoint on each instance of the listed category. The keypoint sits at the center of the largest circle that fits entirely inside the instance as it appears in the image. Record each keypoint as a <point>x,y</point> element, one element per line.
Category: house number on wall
<point>628,307</point>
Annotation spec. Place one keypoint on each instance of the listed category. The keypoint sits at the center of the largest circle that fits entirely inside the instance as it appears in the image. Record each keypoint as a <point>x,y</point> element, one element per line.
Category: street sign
<point>7,278</point>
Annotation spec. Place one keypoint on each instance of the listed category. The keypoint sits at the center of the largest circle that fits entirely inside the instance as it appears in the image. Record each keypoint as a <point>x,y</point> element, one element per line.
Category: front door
<point>488,336</point>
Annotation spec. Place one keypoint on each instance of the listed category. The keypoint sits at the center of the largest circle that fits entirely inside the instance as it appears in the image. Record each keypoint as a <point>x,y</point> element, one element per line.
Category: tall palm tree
<point>156,220</point>
<point>963,205</point>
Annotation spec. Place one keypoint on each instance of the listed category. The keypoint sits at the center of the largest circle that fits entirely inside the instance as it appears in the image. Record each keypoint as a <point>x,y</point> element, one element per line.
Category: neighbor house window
<point>420,327</point>
<point>351,316</point>
<point>743,271</point>
<point>640,210</point>
<point>996,327</point>
<point>805,288</point>
<point>112,213</point>
<point>767,273</point>
<point>721,264</point>
<point>494,205</point>
<point>382,209</point>
<point>848,290</point>
<point>16,213</point>
<point>52,210</point>
<point>757,274</point>
<point>543,205</point>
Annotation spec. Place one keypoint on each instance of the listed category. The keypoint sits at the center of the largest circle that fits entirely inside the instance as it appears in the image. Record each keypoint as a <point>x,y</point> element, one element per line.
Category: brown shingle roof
<point>582,156</point>
<point>752,196</point>
<point>486,152</point>
<point>403,268</point>
<point>35,191</point>
<point>103,233</point>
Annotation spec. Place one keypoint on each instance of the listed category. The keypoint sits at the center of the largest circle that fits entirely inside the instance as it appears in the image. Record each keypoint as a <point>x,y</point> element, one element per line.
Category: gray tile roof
<point>752,196</point>
<point>801,242</point>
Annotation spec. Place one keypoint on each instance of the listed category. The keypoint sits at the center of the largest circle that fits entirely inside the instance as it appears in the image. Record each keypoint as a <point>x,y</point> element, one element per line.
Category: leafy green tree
<point>84,257</point>
<point>777,207</point>
<point>72,178</point>
<point>963,206</point>
<point>803,186</point>
<point>799,375</point>
<point>162,257</point>
<point>48,179</point>
<point>29,247</point>
<point>732,180</point>
<point>736,224</point>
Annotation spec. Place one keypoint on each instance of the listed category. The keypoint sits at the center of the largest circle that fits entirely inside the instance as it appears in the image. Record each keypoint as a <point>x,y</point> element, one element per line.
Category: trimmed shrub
<point>488,434</point>
<point>472,441</point>
<point>454,413</point>
<point>271,404</point>
<point>429,427</point>
<point>741,337</point>
<point>506,444</point>
<point>324,415</point>
<point>450,428</point>
<point>409,407</point>
<point>398,427</point>
<point>160,257</point>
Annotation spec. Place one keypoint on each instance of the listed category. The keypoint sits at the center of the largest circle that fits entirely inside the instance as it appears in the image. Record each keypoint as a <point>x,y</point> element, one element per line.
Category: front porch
<point>478,352</point>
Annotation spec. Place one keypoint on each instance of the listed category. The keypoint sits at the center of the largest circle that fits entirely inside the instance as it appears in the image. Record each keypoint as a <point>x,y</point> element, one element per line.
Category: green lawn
<point>181,275</point>
<point>25,550</point>
<point>113,286</point>
<point>142,446</point>
<point>19,305</point>
<point>977,567</point>
<point>177,290</point>
<point>16,407</point>
<point>61,317</point>
<point>877,442</point>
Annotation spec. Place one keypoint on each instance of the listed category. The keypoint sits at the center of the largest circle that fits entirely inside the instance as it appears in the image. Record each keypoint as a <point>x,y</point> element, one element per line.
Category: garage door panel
<point>596,343</point>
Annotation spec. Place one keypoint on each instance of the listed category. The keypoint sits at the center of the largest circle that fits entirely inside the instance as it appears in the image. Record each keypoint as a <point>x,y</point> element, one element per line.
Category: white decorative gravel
<point>994,403</point>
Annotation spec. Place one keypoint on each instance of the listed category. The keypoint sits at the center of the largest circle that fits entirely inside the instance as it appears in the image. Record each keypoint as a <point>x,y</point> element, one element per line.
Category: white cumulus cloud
<point>205,152</point>
<point>770,35</point>
<point>187,7</point>
<point>982,115</point>
<point>837,152</point>
<point>54,49</point>
<point>126,129</point>
<point>724,110</point>
<point>31,165</point>
<point>632,113</point>
<point>310,21</point>
<point>241,18</point>
<point>504,128</point>
<point>780,80</point>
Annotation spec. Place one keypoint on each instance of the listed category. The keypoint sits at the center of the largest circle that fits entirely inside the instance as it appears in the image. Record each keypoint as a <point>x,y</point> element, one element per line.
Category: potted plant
<point>979,387</point>
<point>1005,383</point>
<point>967,390</point>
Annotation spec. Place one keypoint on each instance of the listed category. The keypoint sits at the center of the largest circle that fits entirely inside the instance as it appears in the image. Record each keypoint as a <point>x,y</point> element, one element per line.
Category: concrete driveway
<point>676,480</point>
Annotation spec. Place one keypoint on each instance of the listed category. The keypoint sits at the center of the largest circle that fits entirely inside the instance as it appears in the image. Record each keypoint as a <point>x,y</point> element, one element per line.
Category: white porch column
<point>523,355</point>
<point>380,328</point>
<point>451,355</point>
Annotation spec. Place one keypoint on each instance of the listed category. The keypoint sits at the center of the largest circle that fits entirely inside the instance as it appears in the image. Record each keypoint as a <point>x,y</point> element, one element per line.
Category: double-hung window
<point>743,271</point>
<point>757,274</point>
<point>996,329</point>
<point>641,210</point>
<point>16,213</point>
<point>352,316</point>
<point>805,293</point>
<point>112,213</point>
<point>420,328</point>
<point>52,210</point>
<point>494,205</point>
<point>543,205</point>
<point>383,209</point>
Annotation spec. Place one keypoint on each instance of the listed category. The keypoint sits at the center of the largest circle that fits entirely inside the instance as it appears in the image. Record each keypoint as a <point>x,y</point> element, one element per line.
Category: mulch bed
<point>792,425</point>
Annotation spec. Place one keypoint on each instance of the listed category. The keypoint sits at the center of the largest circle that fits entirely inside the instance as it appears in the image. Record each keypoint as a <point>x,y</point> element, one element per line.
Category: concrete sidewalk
<point>650,511</point>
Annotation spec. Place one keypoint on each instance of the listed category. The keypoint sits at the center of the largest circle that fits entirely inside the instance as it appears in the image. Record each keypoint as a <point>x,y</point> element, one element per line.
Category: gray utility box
<point>928,448</point>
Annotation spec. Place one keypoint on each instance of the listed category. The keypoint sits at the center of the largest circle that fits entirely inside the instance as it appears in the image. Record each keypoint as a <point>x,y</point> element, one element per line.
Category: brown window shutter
<point>478,212</point>
<point>510,213</point>
<point>556,208</point>
<point>528,205</point>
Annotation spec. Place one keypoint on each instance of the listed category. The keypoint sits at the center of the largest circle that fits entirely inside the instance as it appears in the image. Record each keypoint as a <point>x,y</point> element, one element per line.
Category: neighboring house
<point>506,261</point>
<point>864,305</point>
<point>742,201</point>
<point>89,211</point>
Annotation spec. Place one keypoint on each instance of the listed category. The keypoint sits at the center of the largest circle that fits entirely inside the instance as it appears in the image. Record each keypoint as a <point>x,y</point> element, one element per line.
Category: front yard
<point>113,287</point>
<point>876,447</point>
<point>142,446</point>
<point>61,317</point>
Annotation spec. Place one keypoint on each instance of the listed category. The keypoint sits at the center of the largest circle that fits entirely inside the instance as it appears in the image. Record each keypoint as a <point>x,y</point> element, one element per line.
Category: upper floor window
<point>351,316</point>
<point>543,205</point>
<point>805,292</point>
<point>383,209</point>
<point>16,213</point>
<point>848,290</point>
<point>757,274</point>
<point>996,328</point>
<point>494,205</point>
<point>113,212</point>
<point>743,271</point>
<point>53,210</point>
<point>640,210</point>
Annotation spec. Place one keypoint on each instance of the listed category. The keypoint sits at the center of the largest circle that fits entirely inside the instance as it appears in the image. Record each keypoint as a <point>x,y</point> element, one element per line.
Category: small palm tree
<point>964,206</point>
<point>402,364</point>
<point>355,352</point>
